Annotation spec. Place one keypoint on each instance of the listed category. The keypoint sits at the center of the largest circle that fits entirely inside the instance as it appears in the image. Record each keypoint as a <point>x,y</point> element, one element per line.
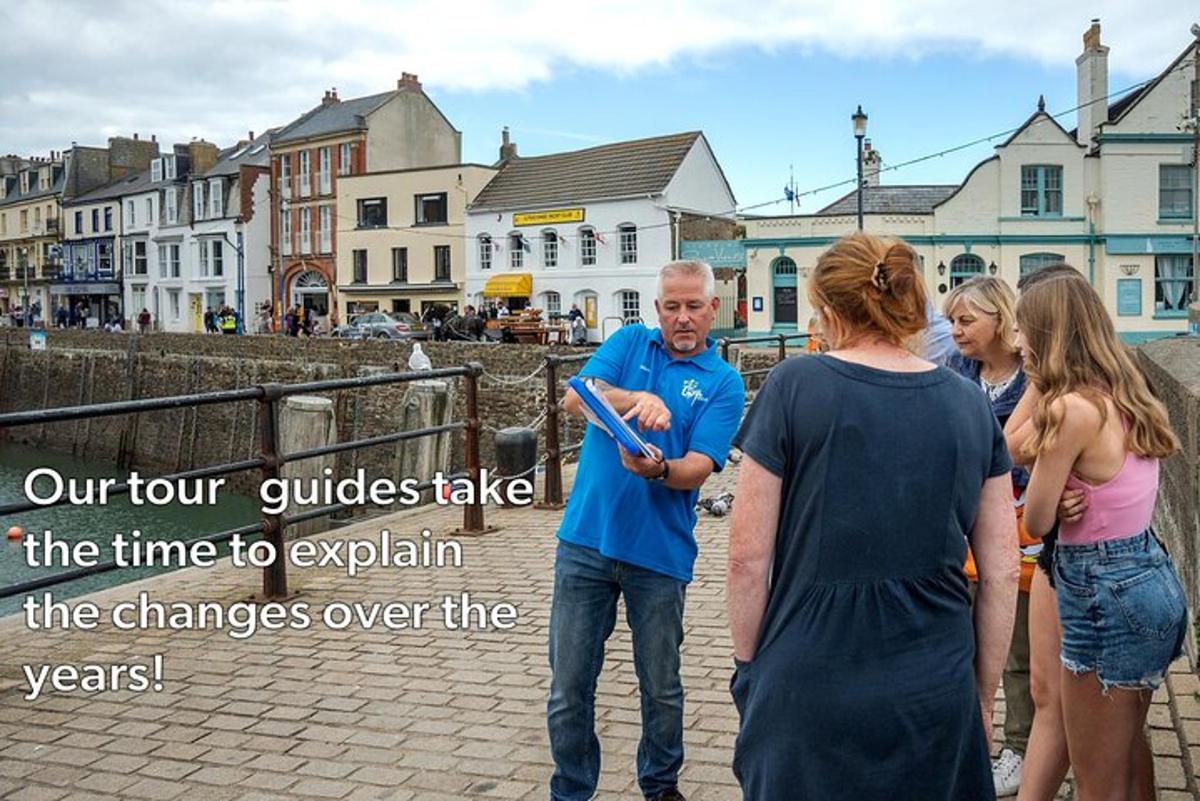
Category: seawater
<point>98,523</point>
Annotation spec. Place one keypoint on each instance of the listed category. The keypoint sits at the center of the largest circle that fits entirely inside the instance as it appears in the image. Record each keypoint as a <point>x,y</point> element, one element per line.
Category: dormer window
<point>169,167</point>
<point>156,171</point>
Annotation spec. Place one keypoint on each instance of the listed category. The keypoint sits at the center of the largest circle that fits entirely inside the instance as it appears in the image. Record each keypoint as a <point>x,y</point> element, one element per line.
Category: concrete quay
<point>427,715</point>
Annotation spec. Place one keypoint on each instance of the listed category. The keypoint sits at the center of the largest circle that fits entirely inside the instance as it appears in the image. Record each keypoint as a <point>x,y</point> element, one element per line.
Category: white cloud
<point>83,70</point>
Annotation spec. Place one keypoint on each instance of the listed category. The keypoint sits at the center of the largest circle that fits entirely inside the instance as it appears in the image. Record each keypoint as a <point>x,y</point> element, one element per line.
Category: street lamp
<point>859,118</point>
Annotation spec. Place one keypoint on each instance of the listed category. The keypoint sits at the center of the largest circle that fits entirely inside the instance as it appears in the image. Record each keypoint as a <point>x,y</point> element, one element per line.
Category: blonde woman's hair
<point>1071,346</point>
<point>991,296</point>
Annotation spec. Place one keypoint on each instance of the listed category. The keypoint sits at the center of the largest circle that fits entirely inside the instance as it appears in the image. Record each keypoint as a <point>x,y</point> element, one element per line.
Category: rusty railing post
<point>274,574</point>
<point>782,346</point>
<point>724,342</point>
<point>552,494</point>
<point>473,512</point>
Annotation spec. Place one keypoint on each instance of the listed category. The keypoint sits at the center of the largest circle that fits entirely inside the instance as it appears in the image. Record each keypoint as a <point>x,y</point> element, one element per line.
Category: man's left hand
<point>641,465</point>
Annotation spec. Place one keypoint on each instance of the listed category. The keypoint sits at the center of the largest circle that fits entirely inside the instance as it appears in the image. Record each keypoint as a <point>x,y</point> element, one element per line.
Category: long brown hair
<point>872,285</point>
<point>1073,347</point>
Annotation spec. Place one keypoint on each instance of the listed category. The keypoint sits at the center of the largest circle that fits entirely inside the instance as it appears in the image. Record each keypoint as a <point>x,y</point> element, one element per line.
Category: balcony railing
<point>52,226</point>
<point>5,274</point>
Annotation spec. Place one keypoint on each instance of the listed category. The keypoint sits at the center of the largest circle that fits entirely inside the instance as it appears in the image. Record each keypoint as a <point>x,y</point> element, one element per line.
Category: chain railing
<point>269,461</point>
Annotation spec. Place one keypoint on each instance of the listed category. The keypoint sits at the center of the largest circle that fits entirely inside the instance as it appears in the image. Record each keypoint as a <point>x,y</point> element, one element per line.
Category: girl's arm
<point>1080,424</point>
<point>1018,431</point>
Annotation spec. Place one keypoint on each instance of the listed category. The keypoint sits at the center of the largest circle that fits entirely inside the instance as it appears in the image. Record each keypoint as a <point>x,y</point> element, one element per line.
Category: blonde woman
<point>1093,424</point>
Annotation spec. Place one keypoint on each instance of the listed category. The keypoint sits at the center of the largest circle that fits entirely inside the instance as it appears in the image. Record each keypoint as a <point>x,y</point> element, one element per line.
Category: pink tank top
<point>1118,508</point>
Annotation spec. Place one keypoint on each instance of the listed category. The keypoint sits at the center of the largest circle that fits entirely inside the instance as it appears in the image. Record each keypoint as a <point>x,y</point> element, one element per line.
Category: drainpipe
<point>1092,202</point>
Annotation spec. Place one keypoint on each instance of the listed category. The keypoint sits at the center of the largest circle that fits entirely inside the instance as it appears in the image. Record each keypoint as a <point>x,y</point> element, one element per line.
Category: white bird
<point>418,360</point>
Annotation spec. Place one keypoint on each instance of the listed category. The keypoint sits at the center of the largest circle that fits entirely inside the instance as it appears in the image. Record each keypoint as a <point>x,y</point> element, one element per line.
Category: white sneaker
<point>1006,773</point>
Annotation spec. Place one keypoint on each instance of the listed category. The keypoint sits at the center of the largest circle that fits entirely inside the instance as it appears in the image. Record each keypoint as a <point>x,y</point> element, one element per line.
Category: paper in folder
<point>599,411</point>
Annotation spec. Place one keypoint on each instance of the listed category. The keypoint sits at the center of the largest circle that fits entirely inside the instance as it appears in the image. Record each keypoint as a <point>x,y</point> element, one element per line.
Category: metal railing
<point>273,527</point>
<point>781,341</point>
<point>552,493</point>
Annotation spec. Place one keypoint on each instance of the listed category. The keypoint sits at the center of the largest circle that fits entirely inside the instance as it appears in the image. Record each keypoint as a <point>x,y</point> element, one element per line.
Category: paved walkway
<point>427,715</point>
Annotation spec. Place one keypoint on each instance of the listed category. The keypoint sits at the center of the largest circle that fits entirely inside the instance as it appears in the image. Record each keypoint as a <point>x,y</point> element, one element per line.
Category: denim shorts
<point>1122,610</point>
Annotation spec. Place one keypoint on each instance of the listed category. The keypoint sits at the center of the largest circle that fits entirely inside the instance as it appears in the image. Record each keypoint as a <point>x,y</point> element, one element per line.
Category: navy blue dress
<point>863,685</point>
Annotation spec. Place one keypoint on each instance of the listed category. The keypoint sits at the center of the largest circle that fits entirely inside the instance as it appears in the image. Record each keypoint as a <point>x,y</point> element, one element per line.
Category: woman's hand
<point>1072,505</point>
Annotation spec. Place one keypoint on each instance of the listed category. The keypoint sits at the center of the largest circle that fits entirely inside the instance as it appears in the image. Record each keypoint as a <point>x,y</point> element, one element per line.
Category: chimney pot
<point>251,136</point>
<point>135,136</point>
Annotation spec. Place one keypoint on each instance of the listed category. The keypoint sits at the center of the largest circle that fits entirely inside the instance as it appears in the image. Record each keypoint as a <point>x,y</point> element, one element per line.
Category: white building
<point>1115,198</point>
<point>192,212</point>
<point>590,227</point>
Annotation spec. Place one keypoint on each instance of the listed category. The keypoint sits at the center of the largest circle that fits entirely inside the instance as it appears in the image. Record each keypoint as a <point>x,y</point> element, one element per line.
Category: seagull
<point>418,360</point>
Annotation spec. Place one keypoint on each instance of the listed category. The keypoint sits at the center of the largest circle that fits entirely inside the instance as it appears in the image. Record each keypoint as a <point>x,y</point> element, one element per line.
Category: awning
<point>509,285</point>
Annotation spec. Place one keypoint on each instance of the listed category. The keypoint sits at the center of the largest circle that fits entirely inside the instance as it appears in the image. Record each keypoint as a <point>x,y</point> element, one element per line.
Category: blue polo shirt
<point>621,515</point>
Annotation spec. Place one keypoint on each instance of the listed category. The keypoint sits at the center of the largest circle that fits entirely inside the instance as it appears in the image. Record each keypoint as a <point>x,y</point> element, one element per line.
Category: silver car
<point>382,325</point>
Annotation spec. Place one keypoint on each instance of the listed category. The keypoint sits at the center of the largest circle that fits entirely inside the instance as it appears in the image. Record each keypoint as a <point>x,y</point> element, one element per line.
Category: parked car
<point>382,325</point>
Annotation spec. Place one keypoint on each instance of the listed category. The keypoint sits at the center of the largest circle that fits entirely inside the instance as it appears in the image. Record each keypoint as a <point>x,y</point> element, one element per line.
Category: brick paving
<point>357,714</point>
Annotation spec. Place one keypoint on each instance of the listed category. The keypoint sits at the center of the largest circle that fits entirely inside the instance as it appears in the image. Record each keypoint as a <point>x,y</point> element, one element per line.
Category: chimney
<point>872,164</point>
<point>251,136</point>
<point>203,156</point>
<point>508,149</point>
<point>135,136</point>
<point>1092,74</point>
<point>408,80</point>
<point>330,97</point>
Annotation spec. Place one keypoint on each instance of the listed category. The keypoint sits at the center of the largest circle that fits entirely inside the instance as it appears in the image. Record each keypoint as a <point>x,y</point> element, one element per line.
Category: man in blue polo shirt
<point>627,530</point>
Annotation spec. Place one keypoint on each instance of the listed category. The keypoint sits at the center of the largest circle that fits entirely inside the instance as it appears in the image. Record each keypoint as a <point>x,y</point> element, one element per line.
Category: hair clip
<point>879,277</point>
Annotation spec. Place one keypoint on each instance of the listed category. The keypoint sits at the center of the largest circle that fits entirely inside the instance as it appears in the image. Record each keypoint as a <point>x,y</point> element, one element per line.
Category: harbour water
<point>97,523</point>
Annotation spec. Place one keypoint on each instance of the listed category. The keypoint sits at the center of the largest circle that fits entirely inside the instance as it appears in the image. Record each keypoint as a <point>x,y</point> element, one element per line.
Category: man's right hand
<point>649,411</point>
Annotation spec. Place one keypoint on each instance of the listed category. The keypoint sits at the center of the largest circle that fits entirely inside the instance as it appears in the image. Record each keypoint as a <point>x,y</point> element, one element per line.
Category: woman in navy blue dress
<point>860,671</point>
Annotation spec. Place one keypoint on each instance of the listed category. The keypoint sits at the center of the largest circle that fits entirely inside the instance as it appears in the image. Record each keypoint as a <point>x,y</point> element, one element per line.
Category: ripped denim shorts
<point>1122,610</point>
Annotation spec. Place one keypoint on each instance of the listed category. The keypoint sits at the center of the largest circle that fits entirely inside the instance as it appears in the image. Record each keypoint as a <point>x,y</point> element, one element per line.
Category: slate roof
<point>58,179</point>
<point>326,119</point>
<point>130,184</point>
<point>916,199</point>
<point>256,154</point>
<point>622,169</point>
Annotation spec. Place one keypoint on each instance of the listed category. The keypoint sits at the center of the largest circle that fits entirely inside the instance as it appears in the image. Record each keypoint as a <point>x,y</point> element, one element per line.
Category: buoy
<point>15,533</point>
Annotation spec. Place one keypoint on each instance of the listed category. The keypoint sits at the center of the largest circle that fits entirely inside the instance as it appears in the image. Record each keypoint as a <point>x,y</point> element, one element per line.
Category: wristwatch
<point>664,475</point>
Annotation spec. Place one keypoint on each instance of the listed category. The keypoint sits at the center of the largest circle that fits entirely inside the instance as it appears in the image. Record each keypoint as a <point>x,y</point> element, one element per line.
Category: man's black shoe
<point>668,795</point>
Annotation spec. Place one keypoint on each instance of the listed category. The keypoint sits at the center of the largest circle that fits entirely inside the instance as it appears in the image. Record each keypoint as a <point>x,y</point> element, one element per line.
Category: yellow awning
<point>509,285</point>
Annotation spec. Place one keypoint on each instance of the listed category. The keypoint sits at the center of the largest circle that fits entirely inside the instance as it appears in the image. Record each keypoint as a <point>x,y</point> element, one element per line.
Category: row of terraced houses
<point>365,204</point>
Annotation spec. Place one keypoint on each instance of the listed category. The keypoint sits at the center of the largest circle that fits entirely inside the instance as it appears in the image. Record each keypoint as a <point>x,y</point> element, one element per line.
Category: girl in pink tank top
<point>1120,602</point>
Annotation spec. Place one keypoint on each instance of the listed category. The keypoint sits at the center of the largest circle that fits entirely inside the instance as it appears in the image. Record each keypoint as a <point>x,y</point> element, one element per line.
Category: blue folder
<point>603,414</point>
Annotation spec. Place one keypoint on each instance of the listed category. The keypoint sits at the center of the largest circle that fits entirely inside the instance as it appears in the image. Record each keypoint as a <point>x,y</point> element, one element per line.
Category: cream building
<point>30,203</point>
<point>1115,198</point>
<point>401,235</point>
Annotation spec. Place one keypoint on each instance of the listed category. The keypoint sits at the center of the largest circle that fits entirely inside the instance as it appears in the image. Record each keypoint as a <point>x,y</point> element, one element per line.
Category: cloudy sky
<point>771,82</point>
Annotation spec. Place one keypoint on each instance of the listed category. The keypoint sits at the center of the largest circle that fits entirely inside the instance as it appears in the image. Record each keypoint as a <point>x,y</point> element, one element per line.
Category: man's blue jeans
<point>584,611</point>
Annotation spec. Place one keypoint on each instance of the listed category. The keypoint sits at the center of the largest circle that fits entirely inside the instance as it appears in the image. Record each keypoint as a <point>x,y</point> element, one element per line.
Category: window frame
<point>358,258</point>
<point>516,251</point>
<point>627,244</point>
<point>441,264</point>
<point>1187,188</point>
<point>623,297</point>
<point>1030,263</point>
<point>958,272</point>
<point>345,158</point>
<point>400,265</point>
<point>372,202</point>
<point>1041,189</point>
<point>198,208</point>
<point>419,218</point>
<point>484,242</point>
<point>1187,280</point>
<point>587,247</point>
<point>305,229</point>
<point>550,249</point>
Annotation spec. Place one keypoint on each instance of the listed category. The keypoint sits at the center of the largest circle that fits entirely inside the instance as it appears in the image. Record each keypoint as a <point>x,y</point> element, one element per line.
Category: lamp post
<point>1195,122</point>
<point>859,118</point>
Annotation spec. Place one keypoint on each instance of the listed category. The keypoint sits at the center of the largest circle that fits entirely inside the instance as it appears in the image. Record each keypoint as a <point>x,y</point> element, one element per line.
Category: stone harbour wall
<point>85,367</point>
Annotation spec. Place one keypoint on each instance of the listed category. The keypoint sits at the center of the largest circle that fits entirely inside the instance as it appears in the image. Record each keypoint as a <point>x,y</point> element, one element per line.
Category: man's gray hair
<point>689,267</point>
